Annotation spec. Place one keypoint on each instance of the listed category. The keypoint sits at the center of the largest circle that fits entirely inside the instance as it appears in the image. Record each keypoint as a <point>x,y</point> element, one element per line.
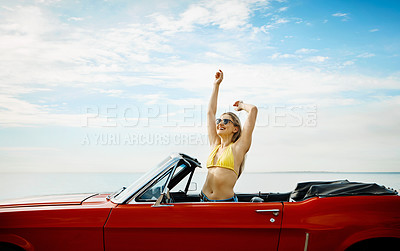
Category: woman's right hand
<point>212,110</point>
<point>219,75</point>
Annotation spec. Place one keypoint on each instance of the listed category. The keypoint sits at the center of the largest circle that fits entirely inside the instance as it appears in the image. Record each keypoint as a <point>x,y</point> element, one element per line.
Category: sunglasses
<point>225,121</point>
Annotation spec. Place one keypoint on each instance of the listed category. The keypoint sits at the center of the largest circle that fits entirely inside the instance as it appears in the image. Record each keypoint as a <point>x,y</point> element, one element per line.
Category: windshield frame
<point>146,180</point>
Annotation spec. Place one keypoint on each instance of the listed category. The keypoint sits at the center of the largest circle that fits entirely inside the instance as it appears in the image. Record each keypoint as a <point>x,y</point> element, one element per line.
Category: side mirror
<point>192,186</point>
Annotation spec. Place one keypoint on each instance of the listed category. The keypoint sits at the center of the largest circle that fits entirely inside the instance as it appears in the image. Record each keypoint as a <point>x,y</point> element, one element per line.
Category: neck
<point>225,141</point>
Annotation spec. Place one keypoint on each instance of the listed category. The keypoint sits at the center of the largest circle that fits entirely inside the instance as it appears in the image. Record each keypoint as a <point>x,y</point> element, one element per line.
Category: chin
<point>221,132</point>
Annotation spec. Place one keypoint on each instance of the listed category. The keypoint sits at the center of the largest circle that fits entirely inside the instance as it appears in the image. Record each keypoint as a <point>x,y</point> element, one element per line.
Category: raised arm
<point>212,110</point>
<point>244,142</point>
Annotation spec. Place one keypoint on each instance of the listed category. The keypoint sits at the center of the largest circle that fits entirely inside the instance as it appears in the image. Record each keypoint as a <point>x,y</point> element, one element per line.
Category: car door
<point>194,226</point>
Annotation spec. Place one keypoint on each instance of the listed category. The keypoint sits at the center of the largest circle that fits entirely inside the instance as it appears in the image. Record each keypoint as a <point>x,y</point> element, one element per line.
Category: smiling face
<point>227,129</point>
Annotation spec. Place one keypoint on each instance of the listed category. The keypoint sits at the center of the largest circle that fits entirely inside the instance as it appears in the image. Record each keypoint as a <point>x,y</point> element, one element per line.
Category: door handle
<point>275,212</point>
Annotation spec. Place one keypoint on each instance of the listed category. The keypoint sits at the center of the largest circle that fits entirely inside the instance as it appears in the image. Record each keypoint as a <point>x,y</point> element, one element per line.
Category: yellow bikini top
<point>225,160</point>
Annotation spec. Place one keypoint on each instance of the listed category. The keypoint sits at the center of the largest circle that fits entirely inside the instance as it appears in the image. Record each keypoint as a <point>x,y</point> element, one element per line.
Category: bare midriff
<point>219,183</point>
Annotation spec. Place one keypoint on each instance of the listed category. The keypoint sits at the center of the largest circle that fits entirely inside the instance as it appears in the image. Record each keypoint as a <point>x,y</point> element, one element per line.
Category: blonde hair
<point>236,135</point>
<point>236,123</point>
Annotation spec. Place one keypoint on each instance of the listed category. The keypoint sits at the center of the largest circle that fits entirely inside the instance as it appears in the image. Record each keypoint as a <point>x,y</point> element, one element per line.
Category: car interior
<point>242,197</point>
<point>182,178</point>
<point>178,188</point>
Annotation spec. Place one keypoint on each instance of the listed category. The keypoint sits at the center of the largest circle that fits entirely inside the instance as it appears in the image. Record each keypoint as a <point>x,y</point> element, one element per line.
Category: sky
<point>116,86</point>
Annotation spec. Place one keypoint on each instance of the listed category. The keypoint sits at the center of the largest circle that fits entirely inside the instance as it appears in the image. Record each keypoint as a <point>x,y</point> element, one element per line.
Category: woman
<point>230,144</point>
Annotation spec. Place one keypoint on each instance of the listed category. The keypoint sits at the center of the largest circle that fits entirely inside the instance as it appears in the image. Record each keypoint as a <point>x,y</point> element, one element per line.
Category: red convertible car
<point>159,212</point>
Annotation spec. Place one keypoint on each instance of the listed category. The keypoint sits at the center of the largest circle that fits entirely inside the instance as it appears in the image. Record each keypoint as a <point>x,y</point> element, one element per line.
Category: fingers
<point>219,74</point>
<point>237,103</point>
<point>218,77</point>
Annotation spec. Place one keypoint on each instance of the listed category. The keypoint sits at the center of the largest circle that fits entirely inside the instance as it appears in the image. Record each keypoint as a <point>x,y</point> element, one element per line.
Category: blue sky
<point>113,86</point>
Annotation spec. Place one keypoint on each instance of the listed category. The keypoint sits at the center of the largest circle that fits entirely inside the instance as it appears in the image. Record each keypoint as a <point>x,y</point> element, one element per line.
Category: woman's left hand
<point>238,105</point>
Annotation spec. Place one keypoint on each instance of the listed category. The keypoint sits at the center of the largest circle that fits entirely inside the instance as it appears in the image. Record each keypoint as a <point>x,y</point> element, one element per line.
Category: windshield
<point>142,181</point>
<point>155,190</point>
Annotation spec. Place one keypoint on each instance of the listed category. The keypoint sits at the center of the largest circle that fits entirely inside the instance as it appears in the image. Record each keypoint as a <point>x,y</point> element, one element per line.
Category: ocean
<point>16,185</point>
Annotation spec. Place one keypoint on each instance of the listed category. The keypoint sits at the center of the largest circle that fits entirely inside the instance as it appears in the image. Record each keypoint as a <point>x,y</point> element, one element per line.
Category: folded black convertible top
<point>308,190</point>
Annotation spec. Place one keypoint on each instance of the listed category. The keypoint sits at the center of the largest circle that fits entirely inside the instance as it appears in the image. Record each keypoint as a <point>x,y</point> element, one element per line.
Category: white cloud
<point>317,59</point>
<point>340,14</point>
<point>344,139</point>
<point>276,84</point>
<point>279,55</point>
<point>301,54</point>
<point>282,9</point>
<point>272,84</point>
<point>213,54</point>
<point>110,92</point>
<point>195,15</point>
<point>28,149</point>
<point>275,23</point>
<point>49,52</point>
<point>75,19</point>
<point>149,99</point>
<point>227,15</point>
<point>281,21</point>
<point>7,8</point>
<point>366,55</point>
<point>348,63</point>
<point>47,1</point>
<point>305,51</point>
<point>373,30</point>
<point>344,16</point>
<point>19,113</point>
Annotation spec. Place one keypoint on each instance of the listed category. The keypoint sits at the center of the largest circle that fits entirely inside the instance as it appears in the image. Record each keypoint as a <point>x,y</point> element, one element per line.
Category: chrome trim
<point>273,211</point>
<point>306,242</point>
<point>166,189</point>
<point>170,177</point>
